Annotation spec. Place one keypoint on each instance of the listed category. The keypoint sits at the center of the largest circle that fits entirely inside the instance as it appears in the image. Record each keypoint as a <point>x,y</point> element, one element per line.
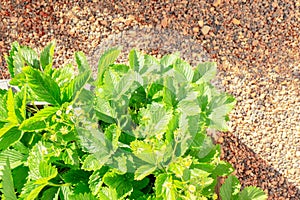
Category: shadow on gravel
<point>251,169</point>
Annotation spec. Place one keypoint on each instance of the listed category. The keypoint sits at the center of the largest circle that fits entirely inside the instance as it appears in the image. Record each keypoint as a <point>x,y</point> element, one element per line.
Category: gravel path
<point>255,43</point>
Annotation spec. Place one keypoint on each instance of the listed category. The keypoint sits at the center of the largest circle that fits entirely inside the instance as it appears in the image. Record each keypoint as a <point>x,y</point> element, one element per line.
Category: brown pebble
<point>216,3</point>
<point>236,21</point>
<point>255,42</point>
<point>13,19</point>
<point>164,22</point>
<point>220,140</point>
<point>200,23</point>
<point>196,29</point>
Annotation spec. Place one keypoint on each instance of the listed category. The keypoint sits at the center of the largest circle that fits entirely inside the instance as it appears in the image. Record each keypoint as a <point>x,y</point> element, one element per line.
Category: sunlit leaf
<point>46,57</point>
<point>43,86</point>
<point>205,72</point>
<point>30,57</point>
<point>7,182</point>
<point>252,193</point>
<point>36,122</point>
<point>107,58</point>
<point>230,188</point>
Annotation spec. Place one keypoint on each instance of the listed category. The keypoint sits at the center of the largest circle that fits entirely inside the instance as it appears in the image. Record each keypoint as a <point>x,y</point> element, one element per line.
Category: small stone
<point>216,3</point>
<point>236,21</point>
<point>297,153</point>
<point>205,29</point>
<point>164,22</point>
<point>72,31</point>
<point>196,29</point>
<point>200,23</point>
<point>220,140</point>
<point>13,19</point>
<point>255,43</point>
<point>104,22</point>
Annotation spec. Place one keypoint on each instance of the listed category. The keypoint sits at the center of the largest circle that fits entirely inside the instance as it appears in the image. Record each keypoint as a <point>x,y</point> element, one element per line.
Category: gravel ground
<point>255,43</point>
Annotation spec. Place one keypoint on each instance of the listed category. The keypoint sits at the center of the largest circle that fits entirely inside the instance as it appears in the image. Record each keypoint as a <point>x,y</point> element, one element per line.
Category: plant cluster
<point>135,131</point>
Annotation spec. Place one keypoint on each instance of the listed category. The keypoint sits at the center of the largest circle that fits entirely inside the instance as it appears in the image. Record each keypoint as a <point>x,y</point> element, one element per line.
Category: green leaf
<point>115,87</point>
<point>6,128</point>
<point>108,193</point>
<point>20,174</point>
<point>202,145</point>
<point>30,57</point>
<point>18,80</point>
<point>154,119</point>
<point>47,171</point>
<point>125,84</point>
<point>169,189</point>
<point>83,196</point>
<point>14,60</point>
<point>93,141</point>
<point>43,86</point>
<point>205,72</point>
<point>202,177</point>
<point>41,152</point>
<point>50,193</point>
<point>111,80</point>
<point>96,181</point>
<point>219,108</point>
<point>143,151</point>
<point>21,103</point>
<point>119,68</point>
<point>81,61</point>
<point>64,75</point>
<point>230,188</point>
<point>31,190</point>
<point>3,105</point>
<point>75,176</point>
<point>144,171</point>
<point>70,156</point>
<point>150,66</point>
<point>46,57</point>
<point>223,169</point>
<point>252,193</point>
<point>10,137</point>
<point>104,111</point>
<point>92,163</point>
<point>121,183</point>
<point>65,192</point>
<point>15,158</point>
<point>11,115</point>
<point>113,133</point>
<point>73,90</point>
<point>37,121</point>
<point>167,62</point>
<point>183,71</point>
<point>105,60</point>
<point>136,60</point>
<point>169,92</point>
<point>159,181</point>
<point>7,182</point>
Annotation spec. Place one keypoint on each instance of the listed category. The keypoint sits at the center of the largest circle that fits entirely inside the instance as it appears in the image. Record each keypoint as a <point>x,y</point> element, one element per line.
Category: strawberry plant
<point>135,131</point>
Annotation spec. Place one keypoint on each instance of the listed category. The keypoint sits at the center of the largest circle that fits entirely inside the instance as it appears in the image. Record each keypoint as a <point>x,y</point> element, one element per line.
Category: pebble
<point>205,29</point>
<point>256,46</point>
